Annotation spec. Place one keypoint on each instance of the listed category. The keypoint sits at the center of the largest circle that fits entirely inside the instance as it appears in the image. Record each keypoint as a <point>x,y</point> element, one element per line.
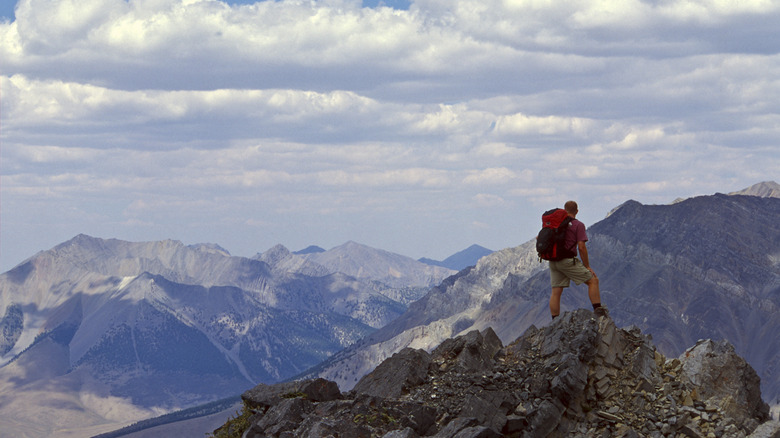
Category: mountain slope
<point>707,267</point>
<point>129,326</point>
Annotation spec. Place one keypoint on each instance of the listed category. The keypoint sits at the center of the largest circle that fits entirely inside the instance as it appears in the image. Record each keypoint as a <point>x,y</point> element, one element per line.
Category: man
<point>563,271</point>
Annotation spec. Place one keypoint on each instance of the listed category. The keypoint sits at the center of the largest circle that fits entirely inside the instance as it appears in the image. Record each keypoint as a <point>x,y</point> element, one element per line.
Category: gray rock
<point>316,390</point>
<point>486,412</point>
<point>770,429</point>
<point>544,419</point>
<point>394,376</point>
<point>416,416</point>
<point>514,424</point>
<point>477,432</point>
<point>472,352</point>
<point>405,433</point>
<point>570,380</point>
<point>689,431</point>
<point>725,378</point>
<point>284,416</point>
<point>254,431</point>
<point>455,426</point>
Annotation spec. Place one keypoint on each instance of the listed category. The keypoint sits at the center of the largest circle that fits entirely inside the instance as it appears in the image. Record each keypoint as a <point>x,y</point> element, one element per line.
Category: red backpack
<point>550,240</point>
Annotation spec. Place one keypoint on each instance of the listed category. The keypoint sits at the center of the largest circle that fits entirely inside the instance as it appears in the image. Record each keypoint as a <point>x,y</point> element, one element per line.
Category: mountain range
<point>704,267</point>
<point>100,331</point>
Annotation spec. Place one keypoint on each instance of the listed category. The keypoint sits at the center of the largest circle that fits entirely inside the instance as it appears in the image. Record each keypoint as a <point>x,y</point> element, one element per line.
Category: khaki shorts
<point>562,271</point>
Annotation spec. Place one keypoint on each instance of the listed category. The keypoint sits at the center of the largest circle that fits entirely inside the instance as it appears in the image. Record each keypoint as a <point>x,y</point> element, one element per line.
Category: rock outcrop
<point>580,376</point>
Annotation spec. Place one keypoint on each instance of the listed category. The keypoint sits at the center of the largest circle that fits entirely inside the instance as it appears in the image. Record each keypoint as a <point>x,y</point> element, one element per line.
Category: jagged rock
<point>489,408</point>
<point>472,352</point>
<point>544,418</point>
<point>477,432</point>
<point>316,390</point>
<point>405,433</point>
<point>284,416</point>
<point>456,426</point>
<point>724,378</point>
<point>391,378</point>
<point>770,429</point>
<point>580,376</point>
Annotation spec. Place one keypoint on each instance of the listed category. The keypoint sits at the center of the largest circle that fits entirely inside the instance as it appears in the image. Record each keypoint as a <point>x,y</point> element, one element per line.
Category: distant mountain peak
<point>311,249</point>
<point>461,259</point>
<point>211,248</point>
<point>364,262</point>
<point>630,204</point>
<point>765,189</point>
<point>82,239</point>
<point>351,244</point>
<point>279,248</point>
<point>274,255</point>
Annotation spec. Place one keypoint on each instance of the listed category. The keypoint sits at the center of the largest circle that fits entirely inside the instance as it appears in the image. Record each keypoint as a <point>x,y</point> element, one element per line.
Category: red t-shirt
<point>575,233</point>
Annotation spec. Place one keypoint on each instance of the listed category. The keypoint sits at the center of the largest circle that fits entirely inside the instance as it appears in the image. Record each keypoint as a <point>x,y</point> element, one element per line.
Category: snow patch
<point>126,281</point>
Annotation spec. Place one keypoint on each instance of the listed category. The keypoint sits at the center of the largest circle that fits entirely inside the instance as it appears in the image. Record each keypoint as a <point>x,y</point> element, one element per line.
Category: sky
<point>420,127</point>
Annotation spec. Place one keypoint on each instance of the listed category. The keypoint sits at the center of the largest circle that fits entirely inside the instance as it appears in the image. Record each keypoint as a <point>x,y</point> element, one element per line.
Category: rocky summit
<point>580,376</point>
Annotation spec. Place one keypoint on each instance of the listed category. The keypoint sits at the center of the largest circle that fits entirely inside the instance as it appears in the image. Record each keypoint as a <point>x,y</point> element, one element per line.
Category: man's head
<point>571,208</point>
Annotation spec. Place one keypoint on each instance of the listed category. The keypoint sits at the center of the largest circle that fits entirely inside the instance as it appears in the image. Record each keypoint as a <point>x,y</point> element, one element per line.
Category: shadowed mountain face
<point>706,267</point>
<point>462,259</point>
<point>144,327</point>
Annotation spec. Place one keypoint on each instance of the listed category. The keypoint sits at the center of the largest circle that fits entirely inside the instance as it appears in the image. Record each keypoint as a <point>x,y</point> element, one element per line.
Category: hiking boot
<point>601,311</point>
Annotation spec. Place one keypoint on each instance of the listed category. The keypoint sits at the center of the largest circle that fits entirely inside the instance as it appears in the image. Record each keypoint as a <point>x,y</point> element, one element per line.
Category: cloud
<point>385,179</point>
<point>488,200</point>
<point>500,175</point>
<point>291,120</point>
<point>547,125</point>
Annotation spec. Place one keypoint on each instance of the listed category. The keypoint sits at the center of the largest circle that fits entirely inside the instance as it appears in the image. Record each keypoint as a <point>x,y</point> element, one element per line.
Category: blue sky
<point>419,128</point>
<point>7,10</point>
<point>7,6</point>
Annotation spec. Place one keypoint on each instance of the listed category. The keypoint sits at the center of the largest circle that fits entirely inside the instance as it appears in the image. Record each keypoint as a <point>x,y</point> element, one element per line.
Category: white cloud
<point>390,178</point>
<point>281,119</point>
<point>545,125</point>
<point>588,171</point>
<point>500,175</point>
<point>713,12</point>
<point>488,200</point>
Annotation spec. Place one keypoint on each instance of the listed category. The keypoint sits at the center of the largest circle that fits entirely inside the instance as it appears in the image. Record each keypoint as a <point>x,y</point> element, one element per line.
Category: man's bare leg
<point>555,301</point>
<point>595,296</point>
<point>593,290</point>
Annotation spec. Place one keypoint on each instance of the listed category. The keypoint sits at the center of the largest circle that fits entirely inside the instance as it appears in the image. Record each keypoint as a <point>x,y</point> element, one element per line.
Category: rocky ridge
<point>579,376</point>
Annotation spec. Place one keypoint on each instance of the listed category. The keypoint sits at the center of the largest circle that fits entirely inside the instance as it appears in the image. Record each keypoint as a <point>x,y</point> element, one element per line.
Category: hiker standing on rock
<point>564,270</point>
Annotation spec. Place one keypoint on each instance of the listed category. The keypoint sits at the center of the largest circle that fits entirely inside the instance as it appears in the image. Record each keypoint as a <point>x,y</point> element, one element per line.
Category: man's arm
<point>584,254</point>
